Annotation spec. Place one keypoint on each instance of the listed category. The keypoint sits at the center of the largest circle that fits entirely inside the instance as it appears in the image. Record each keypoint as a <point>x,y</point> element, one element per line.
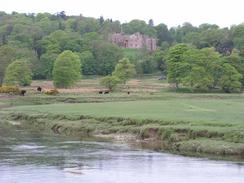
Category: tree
<point>66,70</point>
<point>109,27</point>
<point>180,32</point>
<point>47,61</point>
<point>177,67</point>
<point>148,65</point>
<point>101,20</point>
<point>198,79</point>
<point>7,54</point>
<point>71,24</point>
<point>110,82</point>
<point>59,41</point>
<point>18,73</point>
<point>207,61</point>
<point>236,61</point>
<point>220,39</point>
<point>62,15</point>
<point>106,56</point>
<point>159,59</point>
<point>230,79</point>
<point>88,63</point>
<point>139,26</point>
<point>238,37</point>
<point>89,40</point>
<point>124,70</point>
<point>86,25</point>
<point>163,34</point>
<point>21,35</point>
<point>151,23</point>
<point>44,22</point>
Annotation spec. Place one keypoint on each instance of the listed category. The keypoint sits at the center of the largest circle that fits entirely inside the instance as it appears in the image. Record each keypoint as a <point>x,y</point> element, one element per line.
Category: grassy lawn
<point>175,109</point>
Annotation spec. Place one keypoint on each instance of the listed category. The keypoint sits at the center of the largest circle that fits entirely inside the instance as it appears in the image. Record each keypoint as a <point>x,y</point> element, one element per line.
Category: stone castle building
<point>136,40</point>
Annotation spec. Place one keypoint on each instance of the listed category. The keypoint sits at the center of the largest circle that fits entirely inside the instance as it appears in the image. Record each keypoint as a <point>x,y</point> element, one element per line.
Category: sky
<point>171,12</point>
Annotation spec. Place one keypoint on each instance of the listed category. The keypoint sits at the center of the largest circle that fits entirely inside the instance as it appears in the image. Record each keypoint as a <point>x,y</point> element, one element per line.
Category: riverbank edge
<point>152,134</point>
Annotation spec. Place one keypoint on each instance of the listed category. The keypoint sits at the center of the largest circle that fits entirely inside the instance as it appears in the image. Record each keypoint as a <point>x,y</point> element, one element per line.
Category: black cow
<point>100,92</point>
<point>106,92</point>
<point>39,89</point>
<point>22,92</point>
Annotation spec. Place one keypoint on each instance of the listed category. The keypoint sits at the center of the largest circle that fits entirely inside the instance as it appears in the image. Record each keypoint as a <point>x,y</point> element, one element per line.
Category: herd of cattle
<point>39,89</point>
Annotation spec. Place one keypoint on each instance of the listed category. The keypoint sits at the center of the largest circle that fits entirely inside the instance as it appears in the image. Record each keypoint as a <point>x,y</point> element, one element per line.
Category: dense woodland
<point>202,58</point>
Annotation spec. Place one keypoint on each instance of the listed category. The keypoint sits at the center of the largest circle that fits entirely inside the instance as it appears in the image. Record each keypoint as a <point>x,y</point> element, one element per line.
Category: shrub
<point>9,89</point>
<point>52,92</point>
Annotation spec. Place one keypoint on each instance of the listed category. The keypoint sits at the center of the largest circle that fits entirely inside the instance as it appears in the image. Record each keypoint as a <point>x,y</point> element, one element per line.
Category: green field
<point>177,109</point>
<point>184,123</point>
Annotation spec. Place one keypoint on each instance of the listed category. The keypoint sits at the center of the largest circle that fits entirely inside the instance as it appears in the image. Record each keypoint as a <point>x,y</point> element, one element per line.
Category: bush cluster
<point>10,89</point>
<point>52,92</point>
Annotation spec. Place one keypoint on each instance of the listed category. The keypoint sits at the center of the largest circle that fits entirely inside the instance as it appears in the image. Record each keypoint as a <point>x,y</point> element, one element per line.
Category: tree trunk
<point>177,85</point>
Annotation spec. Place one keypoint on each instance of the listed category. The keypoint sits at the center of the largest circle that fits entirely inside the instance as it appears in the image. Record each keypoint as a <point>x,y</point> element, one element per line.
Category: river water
<point>30,157</point>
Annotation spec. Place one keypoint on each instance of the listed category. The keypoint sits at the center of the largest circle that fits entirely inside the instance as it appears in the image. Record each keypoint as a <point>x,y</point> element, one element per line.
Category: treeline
<point>38,40</point>
<point>204,69</point>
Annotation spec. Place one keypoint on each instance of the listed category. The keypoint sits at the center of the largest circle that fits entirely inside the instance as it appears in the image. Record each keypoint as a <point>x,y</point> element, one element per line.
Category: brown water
<point>30,157</point>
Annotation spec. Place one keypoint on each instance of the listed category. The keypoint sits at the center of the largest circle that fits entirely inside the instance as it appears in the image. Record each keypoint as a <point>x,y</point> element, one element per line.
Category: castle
<point>136,40</point>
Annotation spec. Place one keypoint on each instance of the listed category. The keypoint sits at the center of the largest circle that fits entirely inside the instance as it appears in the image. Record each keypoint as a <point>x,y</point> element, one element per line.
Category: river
<point>31,157</point>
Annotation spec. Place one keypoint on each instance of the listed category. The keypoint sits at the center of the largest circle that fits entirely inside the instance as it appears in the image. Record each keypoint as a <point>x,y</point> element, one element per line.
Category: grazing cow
<point>22,92</point>
<point>106,92</point>
<point>100,92</point>
<point>128,93</point>
<point>39,89</point>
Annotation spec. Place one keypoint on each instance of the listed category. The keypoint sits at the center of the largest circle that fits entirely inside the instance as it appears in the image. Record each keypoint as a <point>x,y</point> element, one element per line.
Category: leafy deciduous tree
<point>7,54</point>
<point>46,64</point>
<point>124,70</point>
<point>237,61</point>
<point>110,82</point>
<point>230,79</point>
<point>177,67</point>
<point>198,79</point>
<point>66,70</point>
<point>106,56</point>
<point>89,66</point>
<point>18,73</point>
